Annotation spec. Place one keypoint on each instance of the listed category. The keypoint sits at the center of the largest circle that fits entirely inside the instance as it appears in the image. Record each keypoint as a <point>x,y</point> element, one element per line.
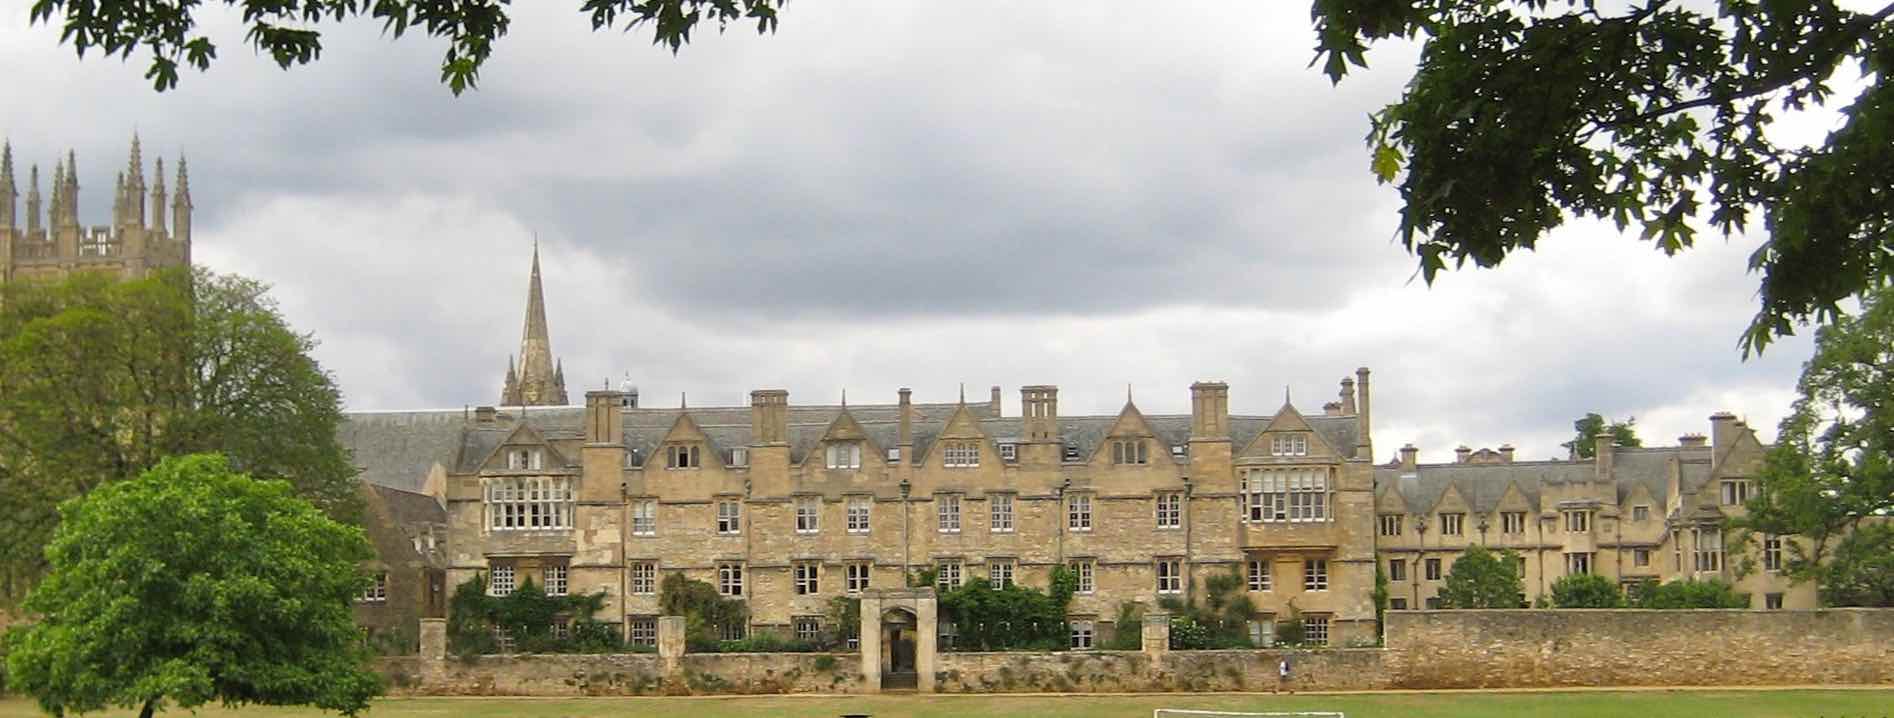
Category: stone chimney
<point>1506,453</point>
<point>769,417</point>
<point>1460,454</point>
<point>1333,408</point>
<point>1347,405</point>
<point>1210,410</point>
<point>1364,444</point>
<point>1723,432</point>
<point>1410,458</point>
<point>904,437</point>
<point>484,414</point>
<point>1603,452</point>
<point>603,454</point>
<point>1693,441</point>
<point>995,400</point>
<point>1039,405</point>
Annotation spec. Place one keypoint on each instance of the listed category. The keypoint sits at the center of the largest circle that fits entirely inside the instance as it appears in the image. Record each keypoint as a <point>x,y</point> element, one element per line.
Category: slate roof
<point>1483,485</point>
<point>409,508</point>
<point>397,449</point>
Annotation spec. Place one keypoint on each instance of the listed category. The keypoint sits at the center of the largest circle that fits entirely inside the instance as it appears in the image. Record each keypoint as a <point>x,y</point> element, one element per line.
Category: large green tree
<point>1829,480</point>
<point>190,584</point>
<point>1585,444</point>
<point>290,31</point>
<point>1524,114</point>
<point>99,379</point>
<point>1483,579</point>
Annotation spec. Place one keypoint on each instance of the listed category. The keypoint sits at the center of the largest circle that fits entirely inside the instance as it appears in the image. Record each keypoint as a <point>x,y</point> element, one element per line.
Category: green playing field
<point>1469,704</point>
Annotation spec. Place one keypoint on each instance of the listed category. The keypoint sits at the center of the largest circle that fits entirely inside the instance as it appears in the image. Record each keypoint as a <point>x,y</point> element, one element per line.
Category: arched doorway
<point>899,636</point>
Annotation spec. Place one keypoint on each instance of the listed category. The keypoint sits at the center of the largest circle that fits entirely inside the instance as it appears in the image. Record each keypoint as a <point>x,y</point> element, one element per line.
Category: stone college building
<point>787,505</point>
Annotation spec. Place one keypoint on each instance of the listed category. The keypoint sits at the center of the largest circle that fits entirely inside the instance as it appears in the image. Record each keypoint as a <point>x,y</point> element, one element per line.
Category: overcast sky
<point>895,194</point>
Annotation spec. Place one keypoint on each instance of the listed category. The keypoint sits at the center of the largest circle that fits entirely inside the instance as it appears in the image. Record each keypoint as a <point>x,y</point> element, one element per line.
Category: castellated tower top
<point>49,241</point>
<point>539,380</point>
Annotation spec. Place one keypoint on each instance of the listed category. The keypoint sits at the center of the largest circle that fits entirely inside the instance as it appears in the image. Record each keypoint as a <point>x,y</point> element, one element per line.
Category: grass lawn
<point>1668,704</point>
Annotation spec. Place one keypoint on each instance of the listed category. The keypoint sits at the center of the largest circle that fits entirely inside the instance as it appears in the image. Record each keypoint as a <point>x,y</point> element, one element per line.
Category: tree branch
<point>1863,25</point>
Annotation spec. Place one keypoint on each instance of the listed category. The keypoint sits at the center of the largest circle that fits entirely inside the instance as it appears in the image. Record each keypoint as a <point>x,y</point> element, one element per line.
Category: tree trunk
<point>151,708</point>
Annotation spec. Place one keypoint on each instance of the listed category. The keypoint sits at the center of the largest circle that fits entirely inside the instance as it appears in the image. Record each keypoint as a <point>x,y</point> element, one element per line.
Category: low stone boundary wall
<point>1339,669</point>
<point>624,674</point>
<point>1525,648</point>
<point>1531,648</point>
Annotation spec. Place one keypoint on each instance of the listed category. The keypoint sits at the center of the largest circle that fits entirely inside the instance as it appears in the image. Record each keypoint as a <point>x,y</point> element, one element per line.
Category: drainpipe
<point>906,487</point>
<point>1189,570</point>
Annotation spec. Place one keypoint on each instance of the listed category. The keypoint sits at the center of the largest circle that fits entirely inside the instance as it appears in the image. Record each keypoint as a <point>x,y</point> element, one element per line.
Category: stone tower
<point>52,244</point>
<point>536,380</point>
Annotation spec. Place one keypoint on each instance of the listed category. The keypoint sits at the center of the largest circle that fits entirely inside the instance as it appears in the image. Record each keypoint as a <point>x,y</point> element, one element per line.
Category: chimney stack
<point>1410,458</point>
<point>1693,441</point>
<point>604,417</point>
<point>1506,453</point>
<point>1604,448</point>
<point>1723,428</point>
<point>995,400</point>
<point>1210,410</point>
<point>484,414</point>
<point>1348,395</point>
<point>1461,453</point>
<point>1039,404</point>
<point>905,438</point>
<point>769,417</point>
<point>1364,445</point>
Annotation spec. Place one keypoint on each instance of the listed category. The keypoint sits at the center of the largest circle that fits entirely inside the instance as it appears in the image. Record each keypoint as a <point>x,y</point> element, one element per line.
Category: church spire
<point>541,381</point>
<point>7,191</point>
<point>32,200</point>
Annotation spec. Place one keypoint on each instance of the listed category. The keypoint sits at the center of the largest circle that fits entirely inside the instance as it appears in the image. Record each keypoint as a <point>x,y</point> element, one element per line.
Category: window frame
<point>730,580</point>
<point>1259,576</point>
<point>807,577</point>
<point>729,517</point>
<point>1000,513</point>
<point>808,515</point>
<point>947,513</point>
<point>644,517</point>
<point>859,517</point>
<point>1170,575</point>
<point>1170,505</point>
<point>643,578</point>
<point>1078,512</point>
<point>1314,575</point>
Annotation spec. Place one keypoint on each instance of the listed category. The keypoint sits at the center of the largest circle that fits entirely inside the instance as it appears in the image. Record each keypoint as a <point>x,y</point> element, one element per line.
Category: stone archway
<point>898,635</point>
<point>898,626</point>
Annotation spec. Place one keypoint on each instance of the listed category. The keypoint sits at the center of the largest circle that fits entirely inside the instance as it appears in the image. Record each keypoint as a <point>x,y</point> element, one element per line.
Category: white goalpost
<point>1162,712</point>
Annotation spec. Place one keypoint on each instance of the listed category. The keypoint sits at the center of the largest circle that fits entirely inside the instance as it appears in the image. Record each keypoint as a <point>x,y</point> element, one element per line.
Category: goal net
<point>1181,713</point>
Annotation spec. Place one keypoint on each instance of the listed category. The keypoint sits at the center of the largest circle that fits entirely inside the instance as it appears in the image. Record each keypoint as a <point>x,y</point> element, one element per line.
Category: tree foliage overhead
<point>1524,113</point>
<point>99,379</point>
<point>1585,444</point>
<point>190,584</point>
<point>1483,579</point>
<point>1829,479</point>
<point>288,31</point>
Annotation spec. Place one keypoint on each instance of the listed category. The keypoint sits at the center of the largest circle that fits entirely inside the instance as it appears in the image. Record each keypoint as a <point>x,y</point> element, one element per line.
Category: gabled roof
<point>396,449</point>
<point>1483,485</point>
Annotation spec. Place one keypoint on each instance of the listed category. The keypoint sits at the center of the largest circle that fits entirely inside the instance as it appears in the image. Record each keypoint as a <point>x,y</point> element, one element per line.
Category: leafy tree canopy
<point>1687,593</point>
<point>1585,444</point>
<point>1586,590</point>
<point>1830,477</point>
<point>190,584</point>
<point>1012,616</point>
<point>99,379</point>
<point>1526,113</point>
<point>1483,579</point>
<point>289,31</point>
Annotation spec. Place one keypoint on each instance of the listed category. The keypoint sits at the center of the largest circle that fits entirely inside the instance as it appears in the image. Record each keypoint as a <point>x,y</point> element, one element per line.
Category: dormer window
<point>739,458</point>
<point>1179,451</point>
<point>1130,451</point>
<point>1071,452</point>
<point>1289,445</point>
<point>681,456</point>
<point>845,455</point>
<point>525,459</point>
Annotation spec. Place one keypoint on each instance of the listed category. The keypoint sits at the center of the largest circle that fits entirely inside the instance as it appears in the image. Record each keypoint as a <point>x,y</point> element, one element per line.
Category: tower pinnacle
<point>541,381</point>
